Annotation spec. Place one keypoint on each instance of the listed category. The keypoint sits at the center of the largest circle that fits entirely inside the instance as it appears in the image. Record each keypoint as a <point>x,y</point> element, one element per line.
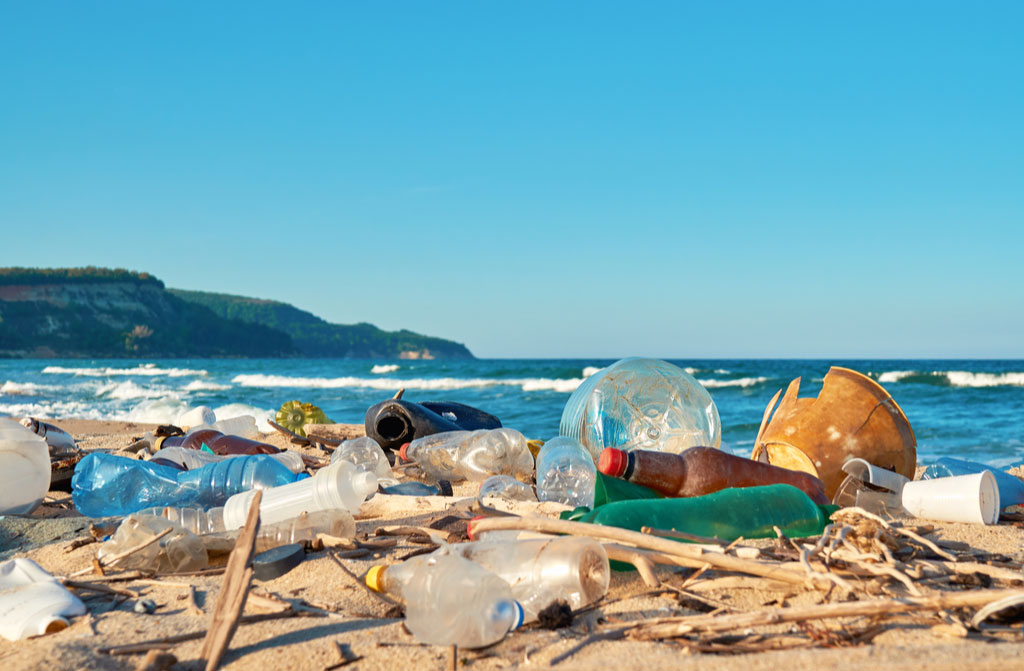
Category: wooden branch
<point>334,431</point>
<point>694,557</point>
<point>234,590</point>
<point>671,627</point>
<point>639,559</point>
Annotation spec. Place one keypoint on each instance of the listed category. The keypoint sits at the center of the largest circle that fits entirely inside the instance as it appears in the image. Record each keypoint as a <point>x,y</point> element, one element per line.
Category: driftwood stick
<point>639,559</point>
<point>234,590</point>
<point>698,557</point>
<point>671,627</point>
<point>682,535</point>
<point>116,558</point>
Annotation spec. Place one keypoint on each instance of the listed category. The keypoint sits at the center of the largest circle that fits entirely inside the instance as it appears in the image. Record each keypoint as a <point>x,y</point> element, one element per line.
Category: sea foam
<point>391,384</point>
<point>144,369</point>
<point>380,369</point>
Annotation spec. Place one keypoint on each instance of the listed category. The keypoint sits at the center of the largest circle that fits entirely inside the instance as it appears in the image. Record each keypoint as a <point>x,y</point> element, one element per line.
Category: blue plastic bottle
<point>105,484</point>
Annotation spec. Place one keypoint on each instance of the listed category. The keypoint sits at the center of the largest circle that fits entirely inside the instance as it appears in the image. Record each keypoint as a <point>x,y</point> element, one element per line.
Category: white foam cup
<point>964,498</point>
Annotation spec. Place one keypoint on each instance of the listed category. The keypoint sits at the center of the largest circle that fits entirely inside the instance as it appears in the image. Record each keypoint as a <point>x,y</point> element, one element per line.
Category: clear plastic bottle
<point>193,459</point>
<point>243,426</point>
<point>566,473</point>
<point>453,601</point>
<point>340,485</point>
<point>539,571</point>
<point>105,484</point>
<point>641,404</point>
<point>199,415</point>
<point>178,551</point>
<point>299,529</point>
<point>59,441</point>
<point>366,453</point>
<point>506,487</point>
<point>471,455</point>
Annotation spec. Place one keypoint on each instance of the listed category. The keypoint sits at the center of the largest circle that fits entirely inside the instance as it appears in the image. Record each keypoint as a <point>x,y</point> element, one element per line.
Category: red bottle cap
<point>469,527</point>
<point>612,462</point>
<point>401,452</point>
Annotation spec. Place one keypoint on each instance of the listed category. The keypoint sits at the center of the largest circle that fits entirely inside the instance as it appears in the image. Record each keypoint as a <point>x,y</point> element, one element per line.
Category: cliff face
<point>96,312</point>
<point>121,318</point>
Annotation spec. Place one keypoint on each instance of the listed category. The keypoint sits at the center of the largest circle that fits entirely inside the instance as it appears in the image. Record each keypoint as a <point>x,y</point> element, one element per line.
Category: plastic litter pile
<point>634,482</point>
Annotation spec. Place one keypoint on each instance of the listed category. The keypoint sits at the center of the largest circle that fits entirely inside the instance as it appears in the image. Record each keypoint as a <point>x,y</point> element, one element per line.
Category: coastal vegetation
<point>102,312</point>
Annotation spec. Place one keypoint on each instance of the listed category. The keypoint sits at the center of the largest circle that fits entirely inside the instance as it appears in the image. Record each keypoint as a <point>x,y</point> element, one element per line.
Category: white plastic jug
<point>32,602</point>
<point>24,469</point>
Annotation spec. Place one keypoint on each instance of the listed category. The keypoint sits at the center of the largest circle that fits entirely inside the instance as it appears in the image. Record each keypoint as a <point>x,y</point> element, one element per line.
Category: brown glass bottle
<point>702,470</point>
<point>219,443</point>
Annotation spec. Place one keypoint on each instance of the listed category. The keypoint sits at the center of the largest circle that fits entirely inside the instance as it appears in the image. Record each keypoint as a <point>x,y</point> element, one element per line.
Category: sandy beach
<point>333,610</point>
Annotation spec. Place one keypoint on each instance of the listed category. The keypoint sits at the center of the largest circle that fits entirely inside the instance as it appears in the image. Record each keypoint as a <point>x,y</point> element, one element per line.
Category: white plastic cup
<point>340,485</point>
<point>964,498</point>
<point>24,469</point>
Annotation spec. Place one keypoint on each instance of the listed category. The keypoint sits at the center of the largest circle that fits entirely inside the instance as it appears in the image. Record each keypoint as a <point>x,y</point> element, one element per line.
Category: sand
<point>361,622</point>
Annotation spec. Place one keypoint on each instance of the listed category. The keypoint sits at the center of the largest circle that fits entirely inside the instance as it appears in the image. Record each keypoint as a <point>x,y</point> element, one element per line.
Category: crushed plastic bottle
<point>539,571</point>
<point>192,459</point>
<point>471,455</point>
<point>105,484</point>
<point>643,404</point>
<point>32,602</point>
<point>453,601</point>
<point>365,453</point>
<point>24,469</point>
<point>566,473</point>
<point>179,551</point>
<point>199,534</point>
<point>243,426</point>
<point>506,487</point>
<point>702,470</point>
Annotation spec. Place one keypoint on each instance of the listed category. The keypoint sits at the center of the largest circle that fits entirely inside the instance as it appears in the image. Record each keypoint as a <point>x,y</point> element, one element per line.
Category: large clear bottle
<point>453,601</point>
<point>471,455</point>
<point>566,473</point>
<point>105,484</point>
<point>641,404</point>
<point>539,571</point>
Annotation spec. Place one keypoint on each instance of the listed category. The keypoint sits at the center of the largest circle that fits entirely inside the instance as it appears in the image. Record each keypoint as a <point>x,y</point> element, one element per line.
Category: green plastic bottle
<point>750,512</point>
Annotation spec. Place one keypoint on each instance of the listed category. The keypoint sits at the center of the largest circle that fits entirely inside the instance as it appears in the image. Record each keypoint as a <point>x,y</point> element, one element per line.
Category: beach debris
<point>639,403</point>
<point>275,562</point>
<point>395,422</point>
<point>24,469</point>
<point>33,602</point>
<point>853,416</point>
<point>234,590</point>
<point>333,435</point>
<point>295,415</point>
<point>157,660</point>
<point>566,473</point>
<point>470,455</point>
<point>144,607</point>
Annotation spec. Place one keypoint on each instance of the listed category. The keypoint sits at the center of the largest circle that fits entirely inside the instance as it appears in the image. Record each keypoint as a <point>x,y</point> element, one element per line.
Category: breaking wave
<point>129,390</point>
<point>25,388</point>
<point>739,382</point>
<point>380,369</point>
<point>954,378</point>
<point>392,384</point>
<point>202,385</point>
<point>145,369</point>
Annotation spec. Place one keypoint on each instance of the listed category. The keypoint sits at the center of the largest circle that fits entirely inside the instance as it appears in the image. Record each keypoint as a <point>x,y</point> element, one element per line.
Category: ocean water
<point>969,409</point>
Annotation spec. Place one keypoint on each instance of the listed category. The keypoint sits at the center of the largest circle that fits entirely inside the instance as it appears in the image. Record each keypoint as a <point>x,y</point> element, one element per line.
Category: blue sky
<point>584,179</point>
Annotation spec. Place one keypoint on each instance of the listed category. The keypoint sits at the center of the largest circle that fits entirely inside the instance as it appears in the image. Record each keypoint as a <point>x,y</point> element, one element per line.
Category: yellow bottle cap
<point>534,446</point>
<point>373,580</point>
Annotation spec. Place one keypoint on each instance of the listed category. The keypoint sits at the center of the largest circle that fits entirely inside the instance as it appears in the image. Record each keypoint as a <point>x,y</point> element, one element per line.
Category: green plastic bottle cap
<point>277,561</point>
